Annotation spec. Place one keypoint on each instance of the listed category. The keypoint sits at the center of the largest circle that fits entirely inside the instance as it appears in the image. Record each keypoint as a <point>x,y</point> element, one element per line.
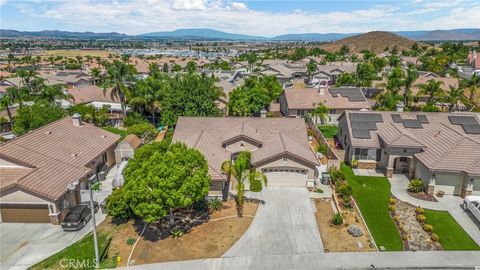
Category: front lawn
<point>328,131</point>
<point>452,236</point>
<point>372,194</point>
<point>121,132</point>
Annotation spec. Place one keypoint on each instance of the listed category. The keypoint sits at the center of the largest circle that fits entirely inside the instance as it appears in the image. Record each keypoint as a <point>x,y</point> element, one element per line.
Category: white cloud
<point>141,16</point>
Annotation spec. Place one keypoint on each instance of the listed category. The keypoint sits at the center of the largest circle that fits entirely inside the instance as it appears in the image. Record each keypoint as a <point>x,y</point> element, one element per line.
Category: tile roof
<point>277,135</point>
<point>308,98</point>
<point>57,153</point>
<point>91,93</point>
<point>132,140</point>
<point>445,146</point>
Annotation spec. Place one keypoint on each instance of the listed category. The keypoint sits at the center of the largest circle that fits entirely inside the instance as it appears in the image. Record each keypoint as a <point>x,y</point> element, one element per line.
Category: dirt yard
<point>313,146</point>
<point>74,53</point>
<point>337,238</point>
<point>208,240</point>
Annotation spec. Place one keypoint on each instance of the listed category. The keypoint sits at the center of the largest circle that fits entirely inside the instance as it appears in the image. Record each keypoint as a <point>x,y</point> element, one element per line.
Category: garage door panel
<point>286,177</point>
<point>25,214</point>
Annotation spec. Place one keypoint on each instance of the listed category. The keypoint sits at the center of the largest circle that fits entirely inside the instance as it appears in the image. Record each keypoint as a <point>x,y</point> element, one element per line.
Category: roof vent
<point>74,155</point>
<point>77,120</point>
<point>104,136</point>
<point>48,132</point>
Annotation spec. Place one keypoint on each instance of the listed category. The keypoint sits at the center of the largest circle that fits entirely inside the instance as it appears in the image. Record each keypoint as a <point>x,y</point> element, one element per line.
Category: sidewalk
<point>399,185</point>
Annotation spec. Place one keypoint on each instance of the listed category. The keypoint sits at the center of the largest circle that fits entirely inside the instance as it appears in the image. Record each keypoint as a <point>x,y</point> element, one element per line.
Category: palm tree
<point>241,170</point>
<point>395,80</point>
<point>453,96</point>
<point>410,78</point>
<point>147,94</point>
<point>95,73</point>
<point>89,59</point>
<point>120,77</point>
<point>251,59</point>
<point>53,92</point>
<point>321,111</point>
<point>472,86</point>
<point>388,100</point>
<point>311,68</point>
<point>432,89</point>
<point>271,84</point>
<point>6,101</point>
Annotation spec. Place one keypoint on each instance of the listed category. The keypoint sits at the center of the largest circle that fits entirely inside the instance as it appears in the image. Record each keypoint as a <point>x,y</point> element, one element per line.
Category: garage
<point>286,177</point>
<point>24,213</point>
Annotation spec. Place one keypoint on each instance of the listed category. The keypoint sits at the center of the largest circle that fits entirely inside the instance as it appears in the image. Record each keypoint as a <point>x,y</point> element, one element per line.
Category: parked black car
<point>77,218</point>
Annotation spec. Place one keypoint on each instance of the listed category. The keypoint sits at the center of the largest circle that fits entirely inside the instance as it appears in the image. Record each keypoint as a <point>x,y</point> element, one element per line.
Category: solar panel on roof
<point>471,129</point>
<point>397,118</point>
<point>411,123</point>
<point>461,120</point>
<point>422,118</point>
<point>361,133</point>
<point>353,94</point>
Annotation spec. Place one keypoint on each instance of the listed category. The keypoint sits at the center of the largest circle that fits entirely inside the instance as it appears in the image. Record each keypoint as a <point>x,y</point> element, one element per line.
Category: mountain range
<point>212,34</point>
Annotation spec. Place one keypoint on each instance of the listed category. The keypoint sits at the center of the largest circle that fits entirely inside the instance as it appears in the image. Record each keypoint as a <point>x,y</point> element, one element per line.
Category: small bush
<point>146,131</point>
<point>130,241</point>
<point>421,218</point>
<point>419,211</point>
<point>255,185</point>
<point>337,219</point>
<point>347,202</point>
<point>318,190</point>
<point>434,237</point>
<point>392,201</point>
<point>177,233</point>
<point>215,204</point>
<point>133,118</point>
<point>427,228</point>
<point>322,148</point>
<point>354,163</point>
<point>392,208</point>
<point>396,218</point>
<point>405,237</point>
<point>337,176</point>
<point>416,185</point>
<point>345,190</point>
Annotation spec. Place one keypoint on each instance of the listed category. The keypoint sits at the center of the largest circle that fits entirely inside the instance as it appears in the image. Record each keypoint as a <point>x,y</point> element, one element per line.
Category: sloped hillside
<point>375,41</point>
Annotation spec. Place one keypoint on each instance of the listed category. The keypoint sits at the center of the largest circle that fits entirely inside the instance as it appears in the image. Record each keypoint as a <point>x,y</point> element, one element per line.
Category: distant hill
<point>201,33</point>
<point>313,36</point>
<point>375,41</point>
<point>450,35</point>
<point>59,34</point>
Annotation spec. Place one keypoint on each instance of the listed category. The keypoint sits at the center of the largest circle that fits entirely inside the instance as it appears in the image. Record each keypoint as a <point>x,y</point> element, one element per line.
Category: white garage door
<point>280,177</point>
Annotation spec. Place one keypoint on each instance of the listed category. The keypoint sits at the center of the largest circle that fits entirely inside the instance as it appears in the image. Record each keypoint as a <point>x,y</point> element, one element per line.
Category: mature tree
<point>240,169</point>
<point>165,68</point>
<point>251,59</point>
<point>52,93</point>
<point>394,61</point>
<point>388,101</point>
<point>189,94</point>
<point>367,55</point>
<point>366,73</point>
<point>453,97</point>
<point>344,50</point>
<point>321,111</point>
<point>95,73</point>
<point>245,101</point>
<point>7,100</point>
<point>433,89</point>
<point>160,179</point>
<point>90,114</point>
<point>346,79</point>
<point>145,131</point>
<point>176,68</point>
<point>311,68</point>
<point>119,78</point>
<point>147,94</point>
<point>410,78</point>
<point>330,57</point>
<point>39,114</point>
<point>191,67</point>
<point>395,80</point>
<point>471,85</point>
<point>271,84</point>
<point>378,63</point>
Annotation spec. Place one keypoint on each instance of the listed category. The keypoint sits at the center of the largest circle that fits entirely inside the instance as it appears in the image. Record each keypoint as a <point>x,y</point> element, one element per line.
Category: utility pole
<point>94,225</point>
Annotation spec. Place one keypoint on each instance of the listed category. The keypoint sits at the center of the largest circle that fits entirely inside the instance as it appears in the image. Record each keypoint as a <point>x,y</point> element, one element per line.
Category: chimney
<point>400,107</point>
<point>321,91</point>
<point>263,113</point>
<point>77,120</point>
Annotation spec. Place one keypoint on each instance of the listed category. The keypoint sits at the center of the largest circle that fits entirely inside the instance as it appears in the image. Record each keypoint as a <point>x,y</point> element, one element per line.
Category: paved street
<point>284,224</point>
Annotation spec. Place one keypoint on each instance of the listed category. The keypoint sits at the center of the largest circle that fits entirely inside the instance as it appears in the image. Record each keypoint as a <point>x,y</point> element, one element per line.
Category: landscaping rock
<point>355,230</point>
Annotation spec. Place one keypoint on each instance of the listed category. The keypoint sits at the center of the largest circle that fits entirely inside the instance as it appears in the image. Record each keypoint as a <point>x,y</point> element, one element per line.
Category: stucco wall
<point>288,164</point>
<point>123,150</point>
<point>236,146</point>
<point>19,196</point>
<point>450,183</point>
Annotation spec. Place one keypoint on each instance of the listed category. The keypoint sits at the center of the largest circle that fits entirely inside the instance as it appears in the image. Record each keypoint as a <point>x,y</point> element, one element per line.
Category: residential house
<point>441,149</point>
<point>279,147</point>
<point>126,148</point>
<point>285,73</point>
<point>472,66</point>
<point>446,83</point>
<point>73,78</point>
<point>328,74</point>
<point>42,172</point>
<point>300,102</point>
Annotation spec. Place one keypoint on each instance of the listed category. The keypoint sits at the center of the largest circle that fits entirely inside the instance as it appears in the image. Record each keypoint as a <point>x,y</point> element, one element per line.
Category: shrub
<point>318,190</point>
<point>434,237</point>
<point>345,190</point>
<point>146,131</point>
<point>133,118</point>
<point>427,228</point>
<point>416,185</point>
<point>176,233</point>
<point>322,148</point>
<point>337,176</point>
<point>354,163</point>
<point>405,237</point>
<point>309,132</point>
<point>347,202</point>
<point>396,218</point>
<point>117,205</point>
<point>421,218</point>
<point>255,185</point>
<point>419,211</point>
<point>337,219</point>
<point>130,241</point>
<point>215,204</point>
<point>392,208</point>
<point>392,201</point>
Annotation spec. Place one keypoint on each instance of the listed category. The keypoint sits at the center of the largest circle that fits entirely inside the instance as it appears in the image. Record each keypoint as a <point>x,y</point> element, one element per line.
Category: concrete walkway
<point>23,245</point>
<point>284,224</point>
<point>399,185</point>
<point>339,260</point>
<point>454,206</point>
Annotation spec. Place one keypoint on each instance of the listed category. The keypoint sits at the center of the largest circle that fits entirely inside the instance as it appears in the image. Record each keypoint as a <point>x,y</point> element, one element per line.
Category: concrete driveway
<point>284,224</point>
<point>23,245</point>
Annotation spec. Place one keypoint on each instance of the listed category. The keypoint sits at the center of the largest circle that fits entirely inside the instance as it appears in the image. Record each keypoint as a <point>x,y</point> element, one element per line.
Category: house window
<point>366,154</point>
<point>403,159</point>
<point>242,145</point>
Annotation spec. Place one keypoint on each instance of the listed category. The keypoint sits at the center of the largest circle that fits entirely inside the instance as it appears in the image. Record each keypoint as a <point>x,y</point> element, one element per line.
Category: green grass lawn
<point>328,130</point>
<point>372,194</point>
<point>452,236</point>
<point>121,132</point>
<point>83,251</point>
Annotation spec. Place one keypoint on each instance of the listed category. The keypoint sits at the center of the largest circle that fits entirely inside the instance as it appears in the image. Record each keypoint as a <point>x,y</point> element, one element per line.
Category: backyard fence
<point>333,160</point>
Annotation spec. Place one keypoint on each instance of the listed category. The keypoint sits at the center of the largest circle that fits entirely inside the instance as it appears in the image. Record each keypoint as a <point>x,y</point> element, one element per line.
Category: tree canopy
<point>39,114</point>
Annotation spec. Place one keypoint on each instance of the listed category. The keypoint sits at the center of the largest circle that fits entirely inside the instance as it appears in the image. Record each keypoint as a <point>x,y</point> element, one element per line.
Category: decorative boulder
<point>355,230</point>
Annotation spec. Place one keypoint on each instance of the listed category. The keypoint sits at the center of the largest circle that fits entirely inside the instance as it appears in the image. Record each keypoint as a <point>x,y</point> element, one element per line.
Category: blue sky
<point>265,17</point>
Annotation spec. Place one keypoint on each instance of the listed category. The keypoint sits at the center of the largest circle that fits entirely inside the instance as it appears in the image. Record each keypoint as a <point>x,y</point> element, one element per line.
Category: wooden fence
<point>331,155</point>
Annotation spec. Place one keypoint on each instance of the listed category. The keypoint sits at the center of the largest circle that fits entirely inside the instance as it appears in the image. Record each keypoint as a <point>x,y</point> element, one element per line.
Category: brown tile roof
<point>309,98</point>
<point>58,153</point>
<point>277,135</point>
<point>92,93</point>
<point>445,146</point>
<point>132,140</point>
